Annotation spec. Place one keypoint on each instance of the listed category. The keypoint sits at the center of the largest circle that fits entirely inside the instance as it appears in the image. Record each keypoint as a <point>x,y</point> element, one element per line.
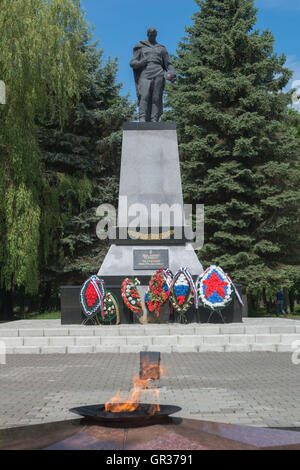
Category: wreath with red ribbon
<point>158,291</point>
<point>92,296</point>
<point>130,295</point>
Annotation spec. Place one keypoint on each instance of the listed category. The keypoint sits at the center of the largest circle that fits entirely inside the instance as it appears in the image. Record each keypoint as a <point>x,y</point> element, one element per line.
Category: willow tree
<point>41,63</point>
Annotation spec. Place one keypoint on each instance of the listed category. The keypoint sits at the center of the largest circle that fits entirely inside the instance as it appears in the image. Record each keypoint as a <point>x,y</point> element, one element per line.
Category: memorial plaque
<point>150,259</point>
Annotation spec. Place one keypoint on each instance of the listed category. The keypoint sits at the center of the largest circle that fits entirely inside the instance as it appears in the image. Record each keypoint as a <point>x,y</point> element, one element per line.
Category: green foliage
<point>22,238</point>
<point>238,152</point>
<point>82,165</point>
<point>293,121</point>
<point>41,64</point>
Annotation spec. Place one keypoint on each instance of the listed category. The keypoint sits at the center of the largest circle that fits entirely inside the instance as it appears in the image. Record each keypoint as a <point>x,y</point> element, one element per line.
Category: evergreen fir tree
<point>238,157</point>
<point>293,120</point>
<point>82,164</point>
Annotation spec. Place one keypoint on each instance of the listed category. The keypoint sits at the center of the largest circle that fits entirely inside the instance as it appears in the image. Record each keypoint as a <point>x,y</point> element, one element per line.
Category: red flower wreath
<point>133,293</point>
<point>157,294</point>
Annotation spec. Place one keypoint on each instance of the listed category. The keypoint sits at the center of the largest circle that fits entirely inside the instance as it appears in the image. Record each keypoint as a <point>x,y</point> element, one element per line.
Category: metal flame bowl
<point>138,418</point>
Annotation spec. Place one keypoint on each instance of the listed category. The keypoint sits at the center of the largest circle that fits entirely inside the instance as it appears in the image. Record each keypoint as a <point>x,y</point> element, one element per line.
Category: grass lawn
<point>262,312</point>
<point>38,316</point>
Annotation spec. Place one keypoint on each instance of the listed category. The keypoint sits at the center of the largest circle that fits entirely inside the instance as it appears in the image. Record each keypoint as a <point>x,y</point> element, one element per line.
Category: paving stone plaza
<point>256,386</point>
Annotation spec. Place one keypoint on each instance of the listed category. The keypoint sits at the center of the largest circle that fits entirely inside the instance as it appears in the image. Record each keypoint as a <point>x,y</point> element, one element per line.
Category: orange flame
<point>118,404</point>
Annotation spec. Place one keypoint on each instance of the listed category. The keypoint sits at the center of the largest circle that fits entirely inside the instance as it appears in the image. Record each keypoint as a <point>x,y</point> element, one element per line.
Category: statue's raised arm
<point>151,67</point>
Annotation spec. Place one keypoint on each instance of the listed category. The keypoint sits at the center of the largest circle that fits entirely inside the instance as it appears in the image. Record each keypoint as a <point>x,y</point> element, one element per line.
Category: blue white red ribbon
<point>98,285</point>
<point>182,286</point>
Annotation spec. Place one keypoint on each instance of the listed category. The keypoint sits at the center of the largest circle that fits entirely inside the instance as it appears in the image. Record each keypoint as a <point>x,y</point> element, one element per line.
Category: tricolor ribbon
<point>95,281</point>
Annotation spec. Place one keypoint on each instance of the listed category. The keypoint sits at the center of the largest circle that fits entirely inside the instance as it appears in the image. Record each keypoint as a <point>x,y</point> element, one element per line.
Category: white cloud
<point>293,64</point>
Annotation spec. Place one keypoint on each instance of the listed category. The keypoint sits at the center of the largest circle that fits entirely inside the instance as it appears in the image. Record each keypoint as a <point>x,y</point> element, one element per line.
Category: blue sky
<point>119,24</point>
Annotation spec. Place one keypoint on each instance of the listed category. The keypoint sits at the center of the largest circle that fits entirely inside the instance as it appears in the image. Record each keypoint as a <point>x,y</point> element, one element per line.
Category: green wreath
<point>111,311</point>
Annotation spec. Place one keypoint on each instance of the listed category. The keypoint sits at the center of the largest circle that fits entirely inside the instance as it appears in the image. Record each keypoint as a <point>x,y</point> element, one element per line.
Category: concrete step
<point>50,337</point>
<point>133,343</point>
<point>150,330</point>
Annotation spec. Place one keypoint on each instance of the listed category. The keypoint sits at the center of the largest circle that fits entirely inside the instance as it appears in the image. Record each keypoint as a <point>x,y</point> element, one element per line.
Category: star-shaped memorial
<point>215,284</point>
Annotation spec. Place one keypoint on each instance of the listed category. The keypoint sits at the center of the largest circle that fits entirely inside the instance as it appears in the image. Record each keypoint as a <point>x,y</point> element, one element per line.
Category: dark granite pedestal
<point>71,312</point>
<point>178,434</point>
<point>150,174</point>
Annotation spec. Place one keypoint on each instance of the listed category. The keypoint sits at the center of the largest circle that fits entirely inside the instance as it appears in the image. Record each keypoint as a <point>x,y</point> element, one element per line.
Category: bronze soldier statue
<point>150,63</point>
